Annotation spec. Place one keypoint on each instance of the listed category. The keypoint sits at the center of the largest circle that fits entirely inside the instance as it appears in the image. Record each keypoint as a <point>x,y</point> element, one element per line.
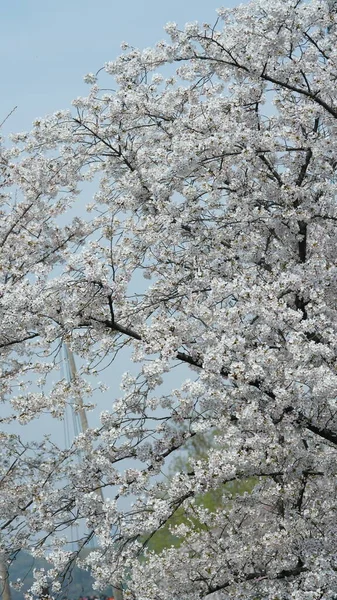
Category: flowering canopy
<point>217,183</point>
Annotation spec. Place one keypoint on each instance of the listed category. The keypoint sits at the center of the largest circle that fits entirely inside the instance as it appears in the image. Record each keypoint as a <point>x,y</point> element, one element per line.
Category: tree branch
<point>300,568</point>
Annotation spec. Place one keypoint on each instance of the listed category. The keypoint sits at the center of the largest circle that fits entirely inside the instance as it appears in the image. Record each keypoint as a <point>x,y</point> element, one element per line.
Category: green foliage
<point>213,500</point>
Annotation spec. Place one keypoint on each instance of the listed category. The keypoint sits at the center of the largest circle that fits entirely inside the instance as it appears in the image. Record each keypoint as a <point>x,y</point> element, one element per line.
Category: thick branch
<point>30,336</point>
<point>294,572</point>
<point>324,433</point>
<point>266,77</point>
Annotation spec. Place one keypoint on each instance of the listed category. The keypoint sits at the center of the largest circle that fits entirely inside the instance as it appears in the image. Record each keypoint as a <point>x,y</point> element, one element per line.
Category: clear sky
<point>47,46</point>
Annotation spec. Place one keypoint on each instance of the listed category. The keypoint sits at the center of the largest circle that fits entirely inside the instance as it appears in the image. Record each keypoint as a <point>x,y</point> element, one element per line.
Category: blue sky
<point>47,46</point>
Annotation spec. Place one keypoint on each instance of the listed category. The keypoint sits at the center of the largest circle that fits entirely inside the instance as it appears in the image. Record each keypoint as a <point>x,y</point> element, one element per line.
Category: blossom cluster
<point>217,184</point>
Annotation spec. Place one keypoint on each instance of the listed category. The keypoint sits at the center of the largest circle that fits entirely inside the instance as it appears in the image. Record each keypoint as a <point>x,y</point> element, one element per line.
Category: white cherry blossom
<point>213,158</point>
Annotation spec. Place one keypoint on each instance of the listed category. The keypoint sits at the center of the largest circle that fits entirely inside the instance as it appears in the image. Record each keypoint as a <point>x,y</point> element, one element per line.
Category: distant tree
<point>214,162</point>
<point>215,499</point>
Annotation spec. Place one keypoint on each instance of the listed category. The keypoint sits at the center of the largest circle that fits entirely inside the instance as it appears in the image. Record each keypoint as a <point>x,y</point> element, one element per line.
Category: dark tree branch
<point>285,573</point>
<point>30,336</point>
<point>322,432</point>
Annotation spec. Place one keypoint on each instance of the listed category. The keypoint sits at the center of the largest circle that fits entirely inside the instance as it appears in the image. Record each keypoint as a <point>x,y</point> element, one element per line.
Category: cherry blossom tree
<point>213,161</point>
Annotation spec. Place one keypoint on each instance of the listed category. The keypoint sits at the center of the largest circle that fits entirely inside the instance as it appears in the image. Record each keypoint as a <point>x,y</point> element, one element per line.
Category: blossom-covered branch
<point>207,260</point>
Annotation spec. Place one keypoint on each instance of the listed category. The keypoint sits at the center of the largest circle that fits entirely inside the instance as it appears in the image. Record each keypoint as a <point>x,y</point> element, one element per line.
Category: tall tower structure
<point>118,591</point>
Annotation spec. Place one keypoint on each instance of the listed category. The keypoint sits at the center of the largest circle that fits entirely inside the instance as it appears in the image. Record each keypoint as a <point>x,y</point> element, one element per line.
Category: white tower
<point>117,592</point>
